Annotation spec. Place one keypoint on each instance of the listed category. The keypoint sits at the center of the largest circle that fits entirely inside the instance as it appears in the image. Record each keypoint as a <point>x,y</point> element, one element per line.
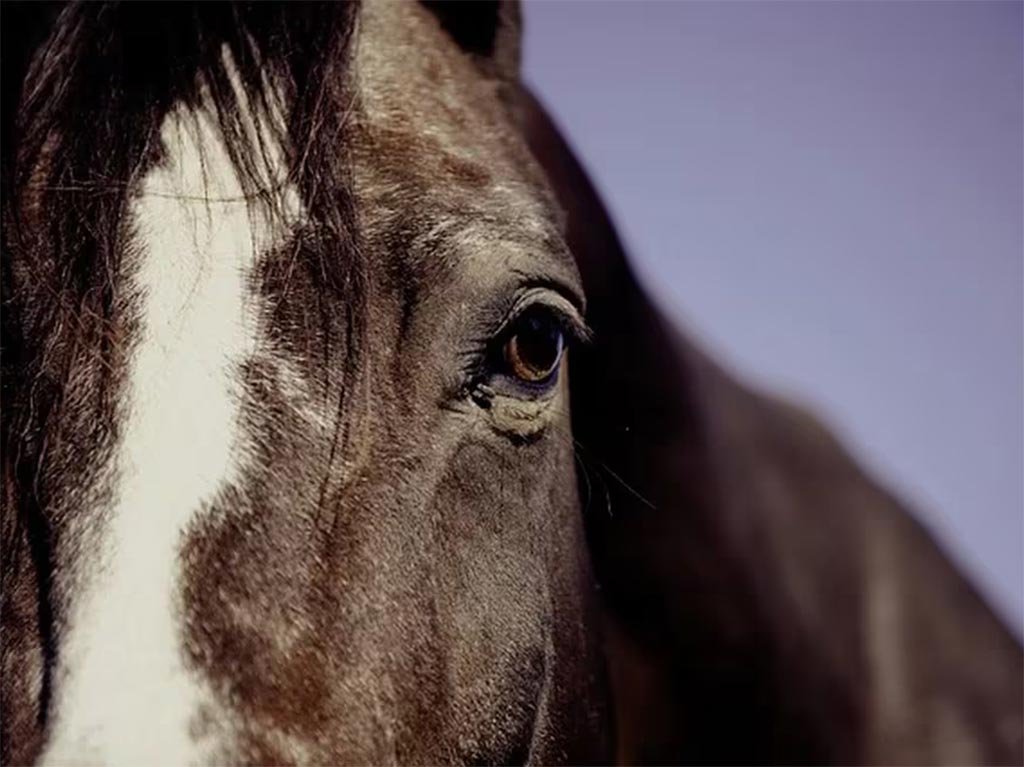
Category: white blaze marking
<point>124,696</point>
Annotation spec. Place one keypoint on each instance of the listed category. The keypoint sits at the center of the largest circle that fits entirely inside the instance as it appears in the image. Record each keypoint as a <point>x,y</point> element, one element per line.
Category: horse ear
<point>488,30</point>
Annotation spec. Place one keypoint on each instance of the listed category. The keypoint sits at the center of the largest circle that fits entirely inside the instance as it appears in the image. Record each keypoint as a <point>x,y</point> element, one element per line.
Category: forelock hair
<point>99,86</point>
<point>92,91</point>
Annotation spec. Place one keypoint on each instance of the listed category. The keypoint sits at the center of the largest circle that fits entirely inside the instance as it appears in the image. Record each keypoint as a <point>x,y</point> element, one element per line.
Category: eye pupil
<point>534,348</point>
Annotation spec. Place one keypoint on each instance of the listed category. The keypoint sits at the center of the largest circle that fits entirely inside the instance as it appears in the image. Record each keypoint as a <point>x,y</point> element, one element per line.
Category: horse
<point>336,429</point>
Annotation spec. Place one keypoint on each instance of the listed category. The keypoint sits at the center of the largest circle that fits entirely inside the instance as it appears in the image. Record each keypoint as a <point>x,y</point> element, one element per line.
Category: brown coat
<point>767,600</point>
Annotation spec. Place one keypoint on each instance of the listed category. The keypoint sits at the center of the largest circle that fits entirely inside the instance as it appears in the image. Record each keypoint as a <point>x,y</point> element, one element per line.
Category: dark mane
<point>94,95</point>
<point>91,84</point>
<point>116,69</point>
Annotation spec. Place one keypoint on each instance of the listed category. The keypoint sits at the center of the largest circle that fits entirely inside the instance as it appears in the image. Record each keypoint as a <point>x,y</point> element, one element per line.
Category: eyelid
<point>564,310</point>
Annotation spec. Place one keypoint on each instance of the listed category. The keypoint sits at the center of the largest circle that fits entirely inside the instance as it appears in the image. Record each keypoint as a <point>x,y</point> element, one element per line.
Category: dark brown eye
<point>534,347</point>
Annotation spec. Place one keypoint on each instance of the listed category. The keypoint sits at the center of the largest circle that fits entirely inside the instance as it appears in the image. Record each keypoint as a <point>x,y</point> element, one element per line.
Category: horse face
<point>326,506</point>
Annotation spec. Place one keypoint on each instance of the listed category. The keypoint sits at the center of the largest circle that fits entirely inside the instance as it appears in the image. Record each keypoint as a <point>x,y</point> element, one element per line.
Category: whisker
<point>579,446</point>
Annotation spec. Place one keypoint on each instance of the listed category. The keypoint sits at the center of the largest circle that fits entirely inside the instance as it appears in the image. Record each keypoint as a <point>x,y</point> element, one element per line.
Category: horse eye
<point>534,347</point>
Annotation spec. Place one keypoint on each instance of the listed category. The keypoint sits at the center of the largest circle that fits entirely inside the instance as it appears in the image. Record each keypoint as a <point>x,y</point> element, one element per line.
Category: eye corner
<point>580,332</point>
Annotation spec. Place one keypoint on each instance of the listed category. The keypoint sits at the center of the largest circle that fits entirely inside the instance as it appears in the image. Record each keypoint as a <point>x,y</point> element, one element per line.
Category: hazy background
<point>829,195</point>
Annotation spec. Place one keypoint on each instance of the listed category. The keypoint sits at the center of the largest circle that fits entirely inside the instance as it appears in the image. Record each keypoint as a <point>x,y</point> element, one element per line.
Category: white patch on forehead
<point>124,695</point>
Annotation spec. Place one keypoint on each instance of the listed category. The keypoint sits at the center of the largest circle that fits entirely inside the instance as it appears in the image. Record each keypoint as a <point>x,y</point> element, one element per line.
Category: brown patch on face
<point>465,173</point>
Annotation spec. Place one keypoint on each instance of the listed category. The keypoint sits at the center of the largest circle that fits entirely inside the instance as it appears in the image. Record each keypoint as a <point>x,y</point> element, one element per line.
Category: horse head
<point>292,295</point>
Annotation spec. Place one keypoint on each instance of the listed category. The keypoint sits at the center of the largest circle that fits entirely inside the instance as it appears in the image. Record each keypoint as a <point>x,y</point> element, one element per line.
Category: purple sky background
<point>829,196</point>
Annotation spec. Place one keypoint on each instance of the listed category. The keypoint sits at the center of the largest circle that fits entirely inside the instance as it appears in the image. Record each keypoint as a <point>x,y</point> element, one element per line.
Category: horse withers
<point>294,309</point>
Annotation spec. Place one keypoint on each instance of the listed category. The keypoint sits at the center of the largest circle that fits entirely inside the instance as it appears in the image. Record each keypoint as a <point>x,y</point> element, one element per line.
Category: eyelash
<point>487,359</point>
